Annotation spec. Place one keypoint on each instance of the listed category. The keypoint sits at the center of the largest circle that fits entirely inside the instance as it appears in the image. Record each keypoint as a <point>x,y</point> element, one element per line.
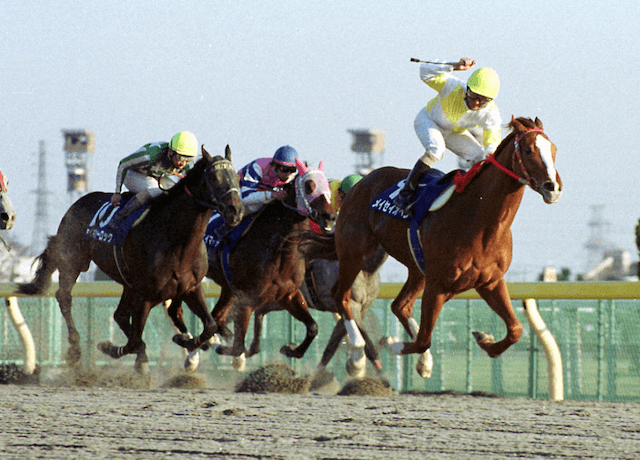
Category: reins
<point>462,180</point>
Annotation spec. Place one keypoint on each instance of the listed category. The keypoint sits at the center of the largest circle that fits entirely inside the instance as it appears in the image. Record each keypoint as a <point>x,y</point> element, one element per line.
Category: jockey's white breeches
<point>137,182</point>
<point>435,140</point>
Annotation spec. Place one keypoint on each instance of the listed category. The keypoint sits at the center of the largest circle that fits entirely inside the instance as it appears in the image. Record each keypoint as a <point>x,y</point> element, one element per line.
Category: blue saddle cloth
<point>98,229</point>
<point>432,184</point>
<point>213,237</point>
<point>225,242</point>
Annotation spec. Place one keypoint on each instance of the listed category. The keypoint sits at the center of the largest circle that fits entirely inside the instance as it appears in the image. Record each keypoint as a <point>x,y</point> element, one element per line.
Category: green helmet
<point>349,181</point>
<point>184,143</point>
<point>484,82</point>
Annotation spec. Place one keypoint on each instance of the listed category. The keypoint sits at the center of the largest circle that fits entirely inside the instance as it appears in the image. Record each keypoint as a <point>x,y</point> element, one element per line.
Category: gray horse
<point>7,211</point>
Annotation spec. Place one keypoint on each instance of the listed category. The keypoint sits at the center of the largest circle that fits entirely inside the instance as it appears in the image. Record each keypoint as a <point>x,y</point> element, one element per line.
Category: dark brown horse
<point>467,243</point>
<point>164,254</point>
<point>266,265</point>
<point>316,289</point>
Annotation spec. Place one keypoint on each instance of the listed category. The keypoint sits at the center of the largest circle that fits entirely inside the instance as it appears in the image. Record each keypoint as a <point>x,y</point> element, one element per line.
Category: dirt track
<point>91,421</point>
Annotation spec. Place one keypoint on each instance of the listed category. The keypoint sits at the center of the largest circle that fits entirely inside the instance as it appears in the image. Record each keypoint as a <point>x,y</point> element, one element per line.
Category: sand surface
<point>195,418</point>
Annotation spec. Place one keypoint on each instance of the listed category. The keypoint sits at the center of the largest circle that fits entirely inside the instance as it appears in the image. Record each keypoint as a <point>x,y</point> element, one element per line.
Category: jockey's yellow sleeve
<point>449,111</point>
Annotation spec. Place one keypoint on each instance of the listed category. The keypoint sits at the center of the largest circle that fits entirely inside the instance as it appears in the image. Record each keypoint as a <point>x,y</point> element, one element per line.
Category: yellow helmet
<point>184,143</point>
<point>484,82</point>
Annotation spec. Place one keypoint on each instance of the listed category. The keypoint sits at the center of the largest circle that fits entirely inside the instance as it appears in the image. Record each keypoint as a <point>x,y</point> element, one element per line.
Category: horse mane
<point>196,171</point>
<point>462,180</point>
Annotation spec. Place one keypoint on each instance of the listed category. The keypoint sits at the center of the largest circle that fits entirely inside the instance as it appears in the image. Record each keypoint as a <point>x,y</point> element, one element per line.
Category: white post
<point>551,350</point>
<point>25,334</point>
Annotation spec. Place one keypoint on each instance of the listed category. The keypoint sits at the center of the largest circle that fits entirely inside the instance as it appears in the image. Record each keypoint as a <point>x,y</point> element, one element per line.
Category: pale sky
<point>258,75</point>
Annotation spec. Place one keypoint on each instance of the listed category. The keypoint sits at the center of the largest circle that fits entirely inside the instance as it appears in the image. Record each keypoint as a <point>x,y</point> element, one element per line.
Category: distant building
<point>615,265</point>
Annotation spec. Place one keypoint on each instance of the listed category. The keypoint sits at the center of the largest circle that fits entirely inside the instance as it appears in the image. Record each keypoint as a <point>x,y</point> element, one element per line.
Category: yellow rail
<point>561,290</point>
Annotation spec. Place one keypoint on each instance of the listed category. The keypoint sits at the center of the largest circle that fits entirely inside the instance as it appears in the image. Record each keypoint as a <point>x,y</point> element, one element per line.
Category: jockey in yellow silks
<point>462,118</point>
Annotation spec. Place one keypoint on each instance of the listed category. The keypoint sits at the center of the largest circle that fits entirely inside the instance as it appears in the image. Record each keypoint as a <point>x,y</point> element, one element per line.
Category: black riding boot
<point>404,199</point>
<point>133,204</point>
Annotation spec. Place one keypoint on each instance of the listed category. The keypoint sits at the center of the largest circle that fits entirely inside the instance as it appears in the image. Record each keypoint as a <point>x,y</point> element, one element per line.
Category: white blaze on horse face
<point>544,145</point>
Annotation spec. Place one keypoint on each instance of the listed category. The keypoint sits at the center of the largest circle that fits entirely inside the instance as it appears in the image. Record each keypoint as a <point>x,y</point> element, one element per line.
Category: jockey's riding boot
<point>223,231</point>
<point>133,204</point>
<point>405,198</point>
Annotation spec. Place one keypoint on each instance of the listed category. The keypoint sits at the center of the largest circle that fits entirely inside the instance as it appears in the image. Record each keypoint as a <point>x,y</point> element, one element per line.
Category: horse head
<point>313,195</point>
<point>222,188</point>
<point>7,211</point>
<point>534,156</point>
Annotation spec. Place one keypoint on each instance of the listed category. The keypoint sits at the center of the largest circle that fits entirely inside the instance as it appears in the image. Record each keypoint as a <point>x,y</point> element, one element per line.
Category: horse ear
<point>538,123</point>
<point>227,152</point>
<point>516,125</point>
<point>206,155</point>
<point>301,167</point>
<point>321,166</point>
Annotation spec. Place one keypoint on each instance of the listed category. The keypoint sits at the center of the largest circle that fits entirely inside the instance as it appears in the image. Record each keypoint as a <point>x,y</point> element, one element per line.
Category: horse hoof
<point>424,367</point>
<point>105,347</point>
<point>483,338</point>
<point>393,344</point>
<point>73,357</point>
<point>356,371</point>
<point>240,363</point>
<point>290,351</point>
<point>357,364</point>
<point>142,368</point>
<point>184,341</point>
<point>192,361</point>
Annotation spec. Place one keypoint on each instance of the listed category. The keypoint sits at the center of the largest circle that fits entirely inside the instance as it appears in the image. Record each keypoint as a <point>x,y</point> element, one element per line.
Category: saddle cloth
<point>99,230</point>
<point>434,190</point>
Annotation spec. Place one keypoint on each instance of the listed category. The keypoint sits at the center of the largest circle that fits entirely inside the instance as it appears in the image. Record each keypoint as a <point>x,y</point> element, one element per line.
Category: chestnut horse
<point>164,254</point>
<point>466,243</point>
<point>266,265</point>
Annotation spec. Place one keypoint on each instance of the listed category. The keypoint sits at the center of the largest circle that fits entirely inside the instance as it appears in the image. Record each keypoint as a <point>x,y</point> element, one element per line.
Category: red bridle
<point>462,180</point>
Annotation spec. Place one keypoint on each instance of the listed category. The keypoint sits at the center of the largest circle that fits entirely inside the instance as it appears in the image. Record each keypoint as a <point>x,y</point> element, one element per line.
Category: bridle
<point>303,204</point>
<point>463,180</point>
<point>215,202</point>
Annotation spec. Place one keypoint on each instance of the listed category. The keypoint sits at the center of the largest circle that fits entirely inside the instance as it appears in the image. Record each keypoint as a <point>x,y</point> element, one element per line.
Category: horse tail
<point>315,246</point>
<point>47,264</point>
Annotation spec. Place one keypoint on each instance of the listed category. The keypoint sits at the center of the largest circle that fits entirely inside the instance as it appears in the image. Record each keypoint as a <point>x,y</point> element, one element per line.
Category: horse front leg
<point>173,309</point>
<point>497,297</point>
<point>240,326</point>
<point>197,303</point>
<point>131,316</point>
<point>296,305</point>
<point>258,318</point>
<point>221,310</point>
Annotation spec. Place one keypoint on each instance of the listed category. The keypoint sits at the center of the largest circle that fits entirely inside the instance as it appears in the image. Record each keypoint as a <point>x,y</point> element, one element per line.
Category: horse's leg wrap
<point>111,350</point>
